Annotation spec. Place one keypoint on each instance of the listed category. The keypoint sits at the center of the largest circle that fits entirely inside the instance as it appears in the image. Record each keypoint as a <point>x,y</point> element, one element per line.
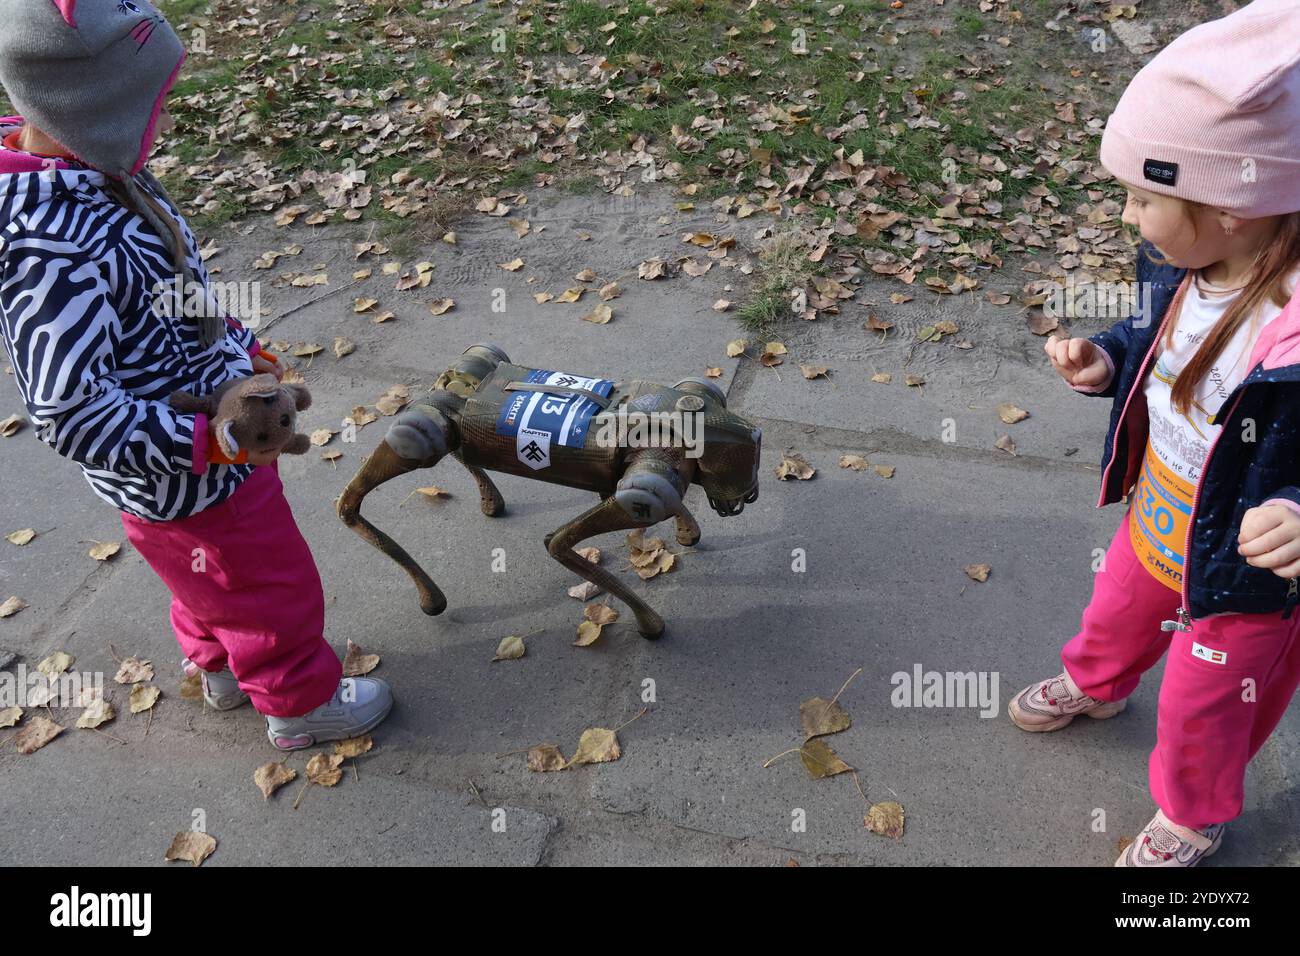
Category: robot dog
<point>491,415</point>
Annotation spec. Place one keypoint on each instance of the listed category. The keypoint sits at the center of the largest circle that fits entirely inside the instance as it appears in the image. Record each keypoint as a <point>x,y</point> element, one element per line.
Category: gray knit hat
<point>94,75</point>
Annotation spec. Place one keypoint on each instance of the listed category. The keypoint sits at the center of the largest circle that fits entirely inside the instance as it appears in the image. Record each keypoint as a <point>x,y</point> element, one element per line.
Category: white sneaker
<point>359,705</point>
<point>1165,843</point>
<point>220,690</point>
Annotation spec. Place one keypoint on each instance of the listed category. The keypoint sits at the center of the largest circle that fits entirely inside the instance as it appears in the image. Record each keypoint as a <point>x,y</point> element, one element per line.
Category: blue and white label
<point>538,420</point>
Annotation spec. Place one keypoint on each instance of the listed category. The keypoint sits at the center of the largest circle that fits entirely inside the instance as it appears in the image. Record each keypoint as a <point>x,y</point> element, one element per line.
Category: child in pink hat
<point>1205,427</point>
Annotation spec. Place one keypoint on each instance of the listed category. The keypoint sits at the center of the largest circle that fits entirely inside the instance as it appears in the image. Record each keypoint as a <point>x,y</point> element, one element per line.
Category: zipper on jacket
<point>1183,614</point>
<point>1292,597</point>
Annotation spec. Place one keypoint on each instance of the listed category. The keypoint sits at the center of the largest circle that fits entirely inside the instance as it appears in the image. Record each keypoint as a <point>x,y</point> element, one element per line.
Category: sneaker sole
<point>1104,712</point>
<point>303,741</point>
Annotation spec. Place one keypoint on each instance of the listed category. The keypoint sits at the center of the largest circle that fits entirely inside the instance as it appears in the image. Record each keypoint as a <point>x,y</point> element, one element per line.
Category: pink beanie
<point>1215,116</point>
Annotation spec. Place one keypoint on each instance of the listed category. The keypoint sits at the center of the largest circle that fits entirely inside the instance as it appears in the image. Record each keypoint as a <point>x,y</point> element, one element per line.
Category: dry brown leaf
<point>514,265</point>
<point>9,426</point>
<point>609,291</point>
<point>22,537</point>
<point>1010,414</point>
<point>511,648</point>
<point>596,745</point>
<point>588,633</point>
<point>393,401</point>
<point>99,711</point>
<point>1006,444</point>
<point>364,305</point>
<point>103,550</point>
<point>652,269</point>
<point>886,819</point>
<point>736,348</point>
<point>357,663</point>
<point>661,561</point>
<point>978,572</point>
<point>10,716</point>
<point>355,746</point>
<point>55,664</point>
<point>270,777</point>
<point>1041,323</point>
<point>191,847</point>
<point>600,315</point>
<point>722,305</point>
<point>819,716</point>
<point>35,734</point>
<point>546,758</point>
<point>323,769</point>
<point>192,687</point>
<point>134,670</point>
<point>856,462</point>
<point>637,541</point>
<point>772,353</point>
<point>820,760</point>
<point>343,346</point>
<point>601,614</point>
<point>883,378</point>
<point>794,465</point>
<point>814,371</point>
<point>441,306</point>
<point>884,471</point>
<point>571,295</point>
<point>143,697</point>
<point>362,416</point>
<point>585,590</point>
<point>322,436</point>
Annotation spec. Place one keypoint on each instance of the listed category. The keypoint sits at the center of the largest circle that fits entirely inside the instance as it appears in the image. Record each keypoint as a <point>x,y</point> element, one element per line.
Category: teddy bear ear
<point>261,386</point>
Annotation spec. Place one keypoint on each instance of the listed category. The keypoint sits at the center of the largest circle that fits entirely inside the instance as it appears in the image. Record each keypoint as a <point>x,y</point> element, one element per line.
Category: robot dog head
<point>728,466</point>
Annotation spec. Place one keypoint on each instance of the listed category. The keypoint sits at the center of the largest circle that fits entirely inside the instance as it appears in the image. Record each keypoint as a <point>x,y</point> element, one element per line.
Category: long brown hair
<point>1274,264</point>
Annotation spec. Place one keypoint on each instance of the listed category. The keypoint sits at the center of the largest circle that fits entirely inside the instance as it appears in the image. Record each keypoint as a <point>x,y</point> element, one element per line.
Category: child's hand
<point>1077,361</point>
<point>262,457</point>
<point>262,364</point>
<point>1270,538</point>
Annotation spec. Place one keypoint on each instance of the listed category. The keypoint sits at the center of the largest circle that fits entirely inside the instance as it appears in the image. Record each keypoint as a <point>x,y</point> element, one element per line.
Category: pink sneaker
<point>1165,843</point>
<point>1053,703</point>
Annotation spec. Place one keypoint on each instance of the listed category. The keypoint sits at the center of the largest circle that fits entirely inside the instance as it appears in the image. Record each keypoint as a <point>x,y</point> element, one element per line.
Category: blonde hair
<point>1274,263</point>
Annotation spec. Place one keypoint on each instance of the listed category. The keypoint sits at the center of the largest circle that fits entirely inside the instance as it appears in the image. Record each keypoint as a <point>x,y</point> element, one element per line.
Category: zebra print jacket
<point>93,356</point>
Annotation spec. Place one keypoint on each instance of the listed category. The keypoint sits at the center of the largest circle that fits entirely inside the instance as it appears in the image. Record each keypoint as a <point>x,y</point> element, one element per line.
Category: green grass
<point>663,76</point>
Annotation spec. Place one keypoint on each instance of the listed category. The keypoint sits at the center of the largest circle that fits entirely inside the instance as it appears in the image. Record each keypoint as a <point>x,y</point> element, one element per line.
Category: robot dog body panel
<point>576,431</point>
<point>549,436</point>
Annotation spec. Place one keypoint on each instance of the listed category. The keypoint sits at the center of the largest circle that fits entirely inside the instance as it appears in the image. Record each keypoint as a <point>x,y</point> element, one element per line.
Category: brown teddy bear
<point>254,415</point>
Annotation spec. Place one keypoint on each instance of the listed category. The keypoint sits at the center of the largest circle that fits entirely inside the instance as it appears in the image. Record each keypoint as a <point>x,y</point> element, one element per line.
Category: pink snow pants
<point>246,592</point>
<point>1227,683</point>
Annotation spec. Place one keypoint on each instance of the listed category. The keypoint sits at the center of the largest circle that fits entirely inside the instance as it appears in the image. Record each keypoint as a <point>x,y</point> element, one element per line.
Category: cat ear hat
<point>94,75</point>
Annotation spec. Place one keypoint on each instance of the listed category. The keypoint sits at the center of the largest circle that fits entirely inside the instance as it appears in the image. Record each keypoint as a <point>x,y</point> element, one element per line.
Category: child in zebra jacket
<point>1205,426</point>
<point>88,240</point>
